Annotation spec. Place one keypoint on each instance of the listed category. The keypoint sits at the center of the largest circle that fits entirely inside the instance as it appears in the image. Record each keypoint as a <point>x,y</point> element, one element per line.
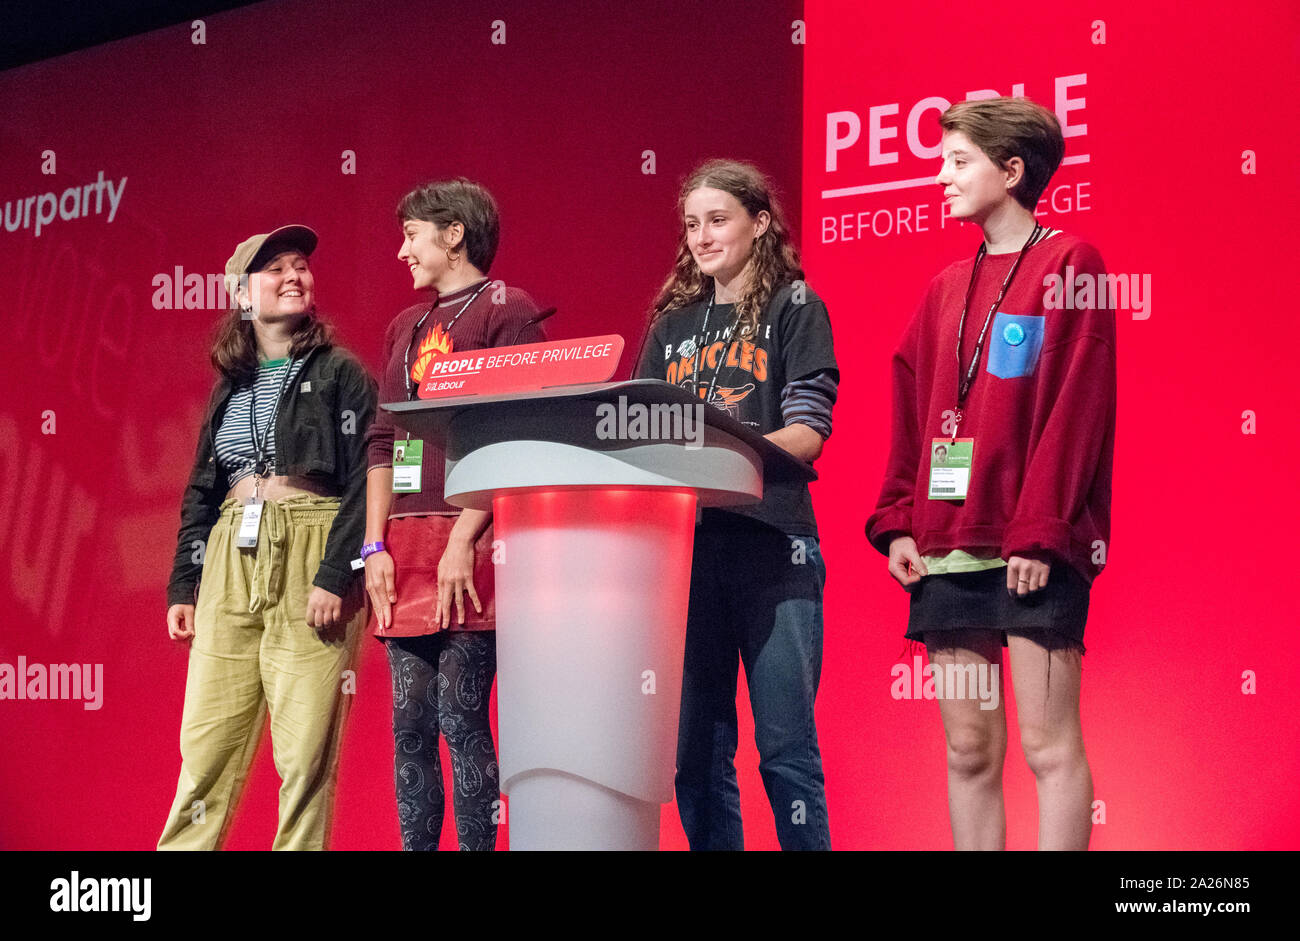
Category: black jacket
<point>314,435</point>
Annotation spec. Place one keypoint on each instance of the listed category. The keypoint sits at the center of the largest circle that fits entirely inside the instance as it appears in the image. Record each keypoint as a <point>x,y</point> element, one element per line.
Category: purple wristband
<point>370,549</point>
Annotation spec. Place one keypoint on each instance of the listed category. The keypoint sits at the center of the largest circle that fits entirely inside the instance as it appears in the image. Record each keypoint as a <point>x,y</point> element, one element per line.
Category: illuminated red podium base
<point>592,589</point>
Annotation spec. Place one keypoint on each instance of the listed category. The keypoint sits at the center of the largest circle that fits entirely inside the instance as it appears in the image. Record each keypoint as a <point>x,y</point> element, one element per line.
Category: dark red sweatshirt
<point>1043,418</point>
<point>499,316</point>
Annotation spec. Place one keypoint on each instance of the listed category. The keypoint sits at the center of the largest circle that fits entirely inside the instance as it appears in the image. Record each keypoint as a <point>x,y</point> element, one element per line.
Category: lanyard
<point>704,341</point>
<point>966,378</point>
<point>259,441</point>
<point>406,357</point>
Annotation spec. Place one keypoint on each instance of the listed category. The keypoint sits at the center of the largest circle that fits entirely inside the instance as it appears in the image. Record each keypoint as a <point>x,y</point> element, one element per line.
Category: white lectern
<point>593,549</point>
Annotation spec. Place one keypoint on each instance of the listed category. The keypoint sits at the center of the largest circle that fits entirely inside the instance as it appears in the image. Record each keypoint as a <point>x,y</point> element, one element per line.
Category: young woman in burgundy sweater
<point>429,564</point>
<point>999,536</point>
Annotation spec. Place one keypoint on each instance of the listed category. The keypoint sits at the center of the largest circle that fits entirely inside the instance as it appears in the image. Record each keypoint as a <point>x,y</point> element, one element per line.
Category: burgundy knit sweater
<point>1043,419</point>
<point>497,317</point>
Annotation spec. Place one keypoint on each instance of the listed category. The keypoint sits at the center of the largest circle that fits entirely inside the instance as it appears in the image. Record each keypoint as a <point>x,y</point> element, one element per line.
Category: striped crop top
<point>236,451</point>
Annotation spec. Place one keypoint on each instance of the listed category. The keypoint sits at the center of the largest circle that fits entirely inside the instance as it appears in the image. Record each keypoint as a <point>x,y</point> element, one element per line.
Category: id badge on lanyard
<point>408,458</point>
<point>251,521</point>
<point>951,458</point>
<point>250,524</point>
<point>950,467</point>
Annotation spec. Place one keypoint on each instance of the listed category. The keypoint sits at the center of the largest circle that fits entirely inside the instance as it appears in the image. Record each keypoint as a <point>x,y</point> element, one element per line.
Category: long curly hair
<point>774,261</point>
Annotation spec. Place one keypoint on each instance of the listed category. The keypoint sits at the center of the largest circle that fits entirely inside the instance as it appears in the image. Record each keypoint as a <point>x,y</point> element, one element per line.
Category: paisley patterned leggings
<point>443,682</point>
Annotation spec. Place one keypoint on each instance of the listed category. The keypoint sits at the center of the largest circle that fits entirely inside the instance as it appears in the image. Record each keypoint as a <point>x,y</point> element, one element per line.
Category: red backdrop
<point>1157,119</point>
<point>248,130</point>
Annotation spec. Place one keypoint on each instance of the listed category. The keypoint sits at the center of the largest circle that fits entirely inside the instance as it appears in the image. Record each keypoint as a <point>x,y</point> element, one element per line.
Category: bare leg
<point>1052,737</point>
<point>977,744</point>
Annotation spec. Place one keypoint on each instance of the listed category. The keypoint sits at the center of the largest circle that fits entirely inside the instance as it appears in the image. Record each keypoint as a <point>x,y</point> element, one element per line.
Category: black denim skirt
<point>1054,615</point>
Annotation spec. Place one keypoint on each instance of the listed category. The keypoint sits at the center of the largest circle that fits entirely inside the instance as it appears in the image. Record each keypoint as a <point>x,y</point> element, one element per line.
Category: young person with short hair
<point>428,563</point>
<point>999,535</point>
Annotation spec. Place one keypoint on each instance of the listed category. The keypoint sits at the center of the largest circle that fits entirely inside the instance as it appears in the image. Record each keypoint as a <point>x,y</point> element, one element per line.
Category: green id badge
<point>408,456</point>
<point>950,468</point>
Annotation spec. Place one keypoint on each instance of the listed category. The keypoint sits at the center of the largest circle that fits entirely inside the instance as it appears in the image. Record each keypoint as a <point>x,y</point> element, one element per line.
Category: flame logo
<point>436,342</point>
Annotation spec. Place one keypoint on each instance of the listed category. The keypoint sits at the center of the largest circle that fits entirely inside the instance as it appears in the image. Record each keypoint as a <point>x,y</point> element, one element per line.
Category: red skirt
<point>416,544</point>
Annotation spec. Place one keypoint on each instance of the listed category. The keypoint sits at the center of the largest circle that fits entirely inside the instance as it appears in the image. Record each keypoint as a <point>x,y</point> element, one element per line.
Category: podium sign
<point>501,369</point>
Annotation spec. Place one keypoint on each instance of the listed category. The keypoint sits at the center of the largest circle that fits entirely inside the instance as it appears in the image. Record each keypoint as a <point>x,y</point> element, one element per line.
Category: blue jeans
<point>756,599</point>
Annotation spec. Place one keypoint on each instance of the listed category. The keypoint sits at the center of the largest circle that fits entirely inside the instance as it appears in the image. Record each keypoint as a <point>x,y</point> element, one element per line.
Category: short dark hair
<point>1012,127</point>
<point>460,200</point>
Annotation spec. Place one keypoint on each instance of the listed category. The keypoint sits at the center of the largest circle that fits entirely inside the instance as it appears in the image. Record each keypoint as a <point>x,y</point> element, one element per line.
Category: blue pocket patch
<point>1014,344</point>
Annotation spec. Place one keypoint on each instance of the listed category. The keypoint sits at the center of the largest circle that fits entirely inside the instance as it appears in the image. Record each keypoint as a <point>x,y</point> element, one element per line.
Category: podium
<point>594,526</point>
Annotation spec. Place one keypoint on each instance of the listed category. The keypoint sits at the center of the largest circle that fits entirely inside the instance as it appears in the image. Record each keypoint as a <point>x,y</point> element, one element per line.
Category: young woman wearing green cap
<point>263,588</point>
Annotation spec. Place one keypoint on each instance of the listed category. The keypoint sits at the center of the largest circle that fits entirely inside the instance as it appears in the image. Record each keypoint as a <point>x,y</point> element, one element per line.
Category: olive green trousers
<point>253,652</point>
